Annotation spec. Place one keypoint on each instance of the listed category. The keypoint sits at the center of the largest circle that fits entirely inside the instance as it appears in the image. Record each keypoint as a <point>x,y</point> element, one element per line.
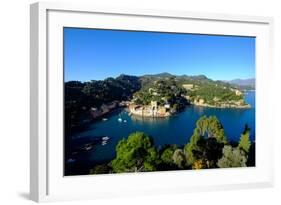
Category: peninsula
<point>164,94</point>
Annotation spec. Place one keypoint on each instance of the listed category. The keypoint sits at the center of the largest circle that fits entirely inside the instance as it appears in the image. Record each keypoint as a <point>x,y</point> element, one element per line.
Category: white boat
<point>125,121</point>
<point>120,119</point>
<point>105,138</point>
<point>104,143</point>
<point>88,147</point>
<point>104,119</point>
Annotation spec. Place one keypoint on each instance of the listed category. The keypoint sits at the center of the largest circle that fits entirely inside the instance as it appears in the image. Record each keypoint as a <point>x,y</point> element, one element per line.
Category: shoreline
<point>145,115</point>
<point>148,112</point>
<point>247,106</point>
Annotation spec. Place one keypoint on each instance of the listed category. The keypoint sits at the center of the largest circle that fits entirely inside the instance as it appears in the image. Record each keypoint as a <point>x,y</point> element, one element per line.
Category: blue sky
<point>91,54</point>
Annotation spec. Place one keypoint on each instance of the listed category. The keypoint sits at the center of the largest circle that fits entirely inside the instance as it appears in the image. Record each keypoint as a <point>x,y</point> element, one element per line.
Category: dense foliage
<point>214,93</point>
<point>205,141</point>
<point>80,97</point>
<point>203,87</point>
<point>135,154</point>
<point>245,142</point>
<point>232,157</point>
<point>163,91</point>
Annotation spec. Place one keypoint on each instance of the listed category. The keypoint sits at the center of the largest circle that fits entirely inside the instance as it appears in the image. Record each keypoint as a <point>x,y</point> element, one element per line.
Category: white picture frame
<point>47,182</point>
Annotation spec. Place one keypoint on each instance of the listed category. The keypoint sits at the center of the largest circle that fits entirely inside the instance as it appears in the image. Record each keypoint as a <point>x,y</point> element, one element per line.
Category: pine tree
<point>135,154</point>
<point>206,128</point>
<point>232,157</point>
<point>245,142</point>
<point>179,158</point>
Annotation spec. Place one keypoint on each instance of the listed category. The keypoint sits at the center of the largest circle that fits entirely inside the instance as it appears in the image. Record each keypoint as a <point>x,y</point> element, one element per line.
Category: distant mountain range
<point>250,82</point>
<point>167,75</point>
<point>243,83</point>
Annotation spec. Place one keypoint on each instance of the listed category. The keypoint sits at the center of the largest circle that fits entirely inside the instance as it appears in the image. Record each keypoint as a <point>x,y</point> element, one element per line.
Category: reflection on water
<point>199,109</point>
<point>140,119</point>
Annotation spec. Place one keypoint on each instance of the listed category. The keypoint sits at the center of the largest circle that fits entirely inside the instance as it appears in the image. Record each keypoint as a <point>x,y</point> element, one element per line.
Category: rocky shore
<point>223,105</point>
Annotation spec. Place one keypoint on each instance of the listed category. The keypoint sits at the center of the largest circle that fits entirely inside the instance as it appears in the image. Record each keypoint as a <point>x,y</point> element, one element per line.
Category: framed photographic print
<point>127,102</point>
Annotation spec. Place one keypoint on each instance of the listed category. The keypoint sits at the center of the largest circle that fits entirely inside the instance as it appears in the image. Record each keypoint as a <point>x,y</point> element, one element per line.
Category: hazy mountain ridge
<point>243,83</point>
<point>167,75</point>
<point>249,81</point>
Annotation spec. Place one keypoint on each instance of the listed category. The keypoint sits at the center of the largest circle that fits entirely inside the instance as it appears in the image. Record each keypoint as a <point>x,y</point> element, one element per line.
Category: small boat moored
<point>87,147</point>
<point>105,138</point>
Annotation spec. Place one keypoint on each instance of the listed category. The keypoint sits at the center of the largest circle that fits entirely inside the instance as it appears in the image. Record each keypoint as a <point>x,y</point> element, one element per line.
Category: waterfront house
<point>154,104</point>
<point>162,112</point>
<point>201,101</point>
<point>167,105</point>
<point>238,92</point>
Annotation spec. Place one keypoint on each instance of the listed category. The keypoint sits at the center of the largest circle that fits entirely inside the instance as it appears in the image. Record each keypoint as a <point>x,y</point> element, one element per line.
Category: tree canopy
<point>167,155</point>
<point>245,142</point>
<point>232,157</point>
<point>135,154</point>
<point>206,128</point>
<point>179,158</point>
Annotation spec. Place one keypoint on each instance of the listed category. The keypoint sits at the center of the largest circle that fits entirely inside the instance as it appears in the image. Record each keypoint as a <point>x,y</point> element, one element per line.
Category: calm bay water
<point>173,130</point>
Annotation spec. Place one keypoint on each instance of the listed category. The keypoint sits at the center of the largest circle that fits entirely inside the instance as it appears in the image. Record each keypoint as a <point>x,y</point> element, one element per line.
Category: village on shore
<point>155,110</point>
